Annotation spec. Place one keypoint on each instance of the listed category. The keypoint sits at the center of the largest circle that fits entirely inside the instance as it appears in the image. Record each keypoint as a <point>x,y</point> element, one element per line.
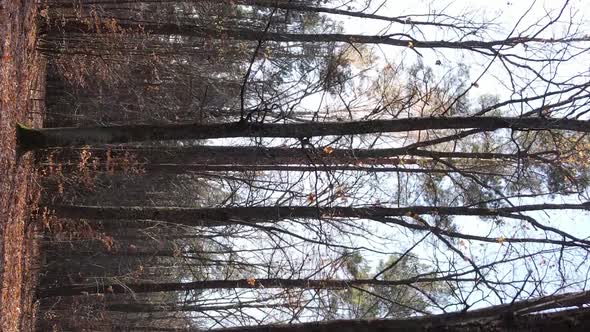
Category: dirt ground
<point>21,92</point>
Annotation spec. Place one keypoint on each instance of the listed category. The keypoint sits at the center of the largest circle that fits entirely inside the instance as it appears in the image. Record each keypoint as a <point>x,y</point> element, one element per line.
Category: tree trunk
<point>291,6</point>
<point>169,29</point>
<point>250,155</point>
<point>570,320</point>
<point>75,290</point>
<point>210,169</point>
<point>149,307</point>
<point>61,137</point>
<point>238,215</point>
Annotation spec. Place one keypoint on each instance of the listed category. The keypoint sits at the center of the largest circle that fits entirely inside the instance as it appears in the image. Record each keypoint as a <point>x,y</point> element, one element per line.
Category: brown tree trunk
<point>570,320</point>
<point>75,290</point>
<point>233,215</point>
<point>286,5</point>
<point>149,307</point>
<point>61,137</point>
<point>249,155</point>
<point>74,26</point>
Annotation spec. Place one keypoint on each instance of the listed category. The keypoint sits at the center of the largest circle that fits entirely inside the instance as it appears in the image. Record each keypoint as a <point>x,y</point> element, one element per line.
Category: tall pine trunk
<point>173,29</point>
<point>577,320</point>
<point>270,214</point>
<point>75,290</point>
<point>60,137</point>
<point>259,155</point>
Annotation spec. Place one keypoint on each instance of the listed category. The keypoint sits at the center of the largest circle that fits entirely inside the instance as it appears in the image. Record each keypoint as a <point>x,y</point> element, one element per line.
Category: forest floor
<point>22,81</point>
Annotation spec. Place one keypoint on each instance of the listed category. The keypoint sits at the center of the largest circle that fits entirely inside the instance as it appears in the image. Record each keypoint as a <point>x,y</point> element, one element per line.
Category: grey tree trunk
<point>250,155</point>
<point>569,320</point>
<point>72,26</point>
<point>75,290</point>
<point>270,214</point>
<point>61,137</point>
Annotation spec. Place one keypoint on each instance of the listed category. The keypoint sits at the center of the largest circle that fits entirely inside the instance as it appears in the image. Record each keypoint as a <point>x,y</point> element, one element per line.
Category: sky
<point>493,81</point>
<point>505,13</point>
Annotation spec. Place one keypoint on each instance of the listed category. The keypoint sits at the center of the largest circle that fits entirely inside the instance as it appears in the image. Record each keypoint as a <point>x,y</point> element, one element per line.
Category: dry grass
<point>21,87</point>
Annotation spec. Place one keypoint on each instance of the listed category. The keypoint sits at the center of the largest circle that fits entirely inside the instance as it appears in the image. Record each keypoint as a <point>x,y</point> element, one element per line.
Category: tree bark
<point>75,290</point>
<point>259,155</point>
<point>62,137</point>
<point>169,29</point>
<point>570,320</point>
<point>149,307</point>
<point>211,169</point>
<point>270,214</point>
<point>288,5</point>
